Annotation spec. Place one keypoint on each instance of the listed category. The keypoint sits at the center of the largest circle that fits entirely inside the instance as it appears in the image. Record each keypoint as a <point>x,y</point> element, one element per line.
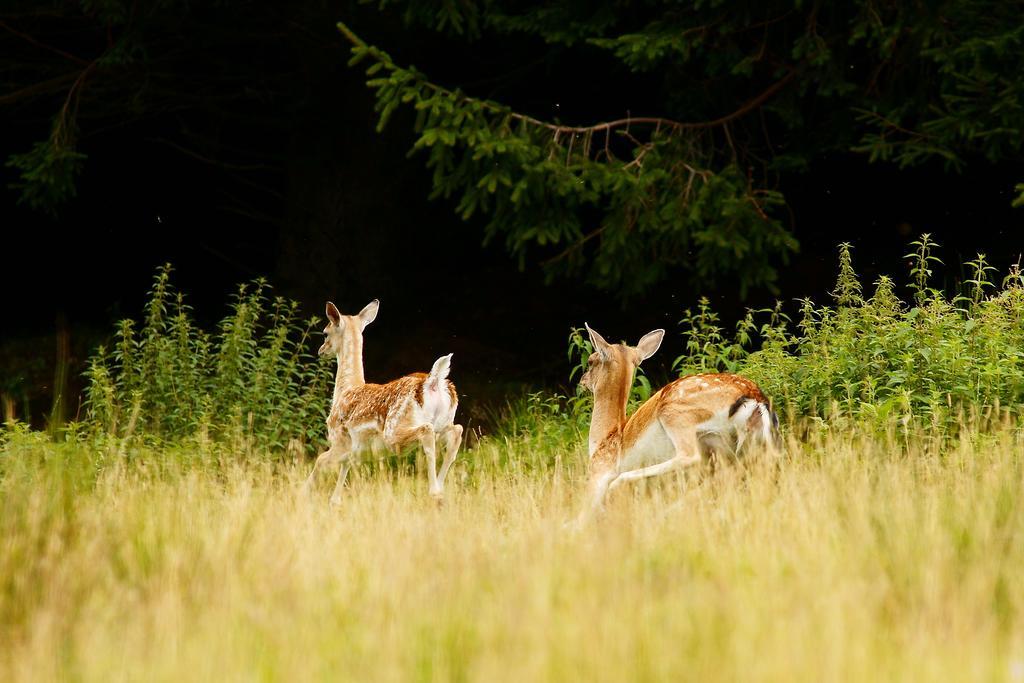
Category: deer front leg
<point>597,490</point>
<point>349,448</point>
<point>453,439</point>
<point>325,459</point>
<point>346,465</point>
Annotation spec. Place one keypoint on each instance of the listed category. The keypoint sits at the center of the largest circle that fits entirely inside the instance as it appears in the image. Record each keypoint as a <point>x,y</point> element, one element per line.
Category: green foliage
<point>971,57</point>
<point>46,174</point>
<point>537,183</point>
<point>939,360</point>
<point>253,381</point>
<point>924,81</point>
<point>692,189</point>
<point>533,432</point>
<point>707,349</point>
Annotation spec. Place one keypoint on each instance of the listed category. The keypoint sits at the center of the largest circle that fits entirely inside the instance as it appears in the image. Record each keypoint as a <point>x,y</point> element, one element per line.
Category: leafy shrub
<point>936,358</point>
<point>253,379</point>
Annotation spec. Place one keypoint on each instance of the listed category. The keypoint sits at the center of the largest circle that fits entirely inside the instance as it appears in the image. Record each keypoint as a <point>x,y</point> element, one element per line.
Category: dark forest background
<point>232,140</point>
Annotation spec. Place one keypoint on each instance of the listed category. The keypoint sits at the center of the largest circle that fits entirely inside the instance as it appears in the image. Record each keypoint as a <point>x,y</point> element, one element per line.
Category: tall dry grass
<point>860,558</point>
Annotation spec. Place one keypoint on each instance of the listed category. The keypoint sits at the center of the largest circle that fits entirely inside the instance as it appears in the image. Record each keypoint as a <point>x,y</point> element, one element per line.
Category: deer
<point>678,427</point>
<point>417,409</point>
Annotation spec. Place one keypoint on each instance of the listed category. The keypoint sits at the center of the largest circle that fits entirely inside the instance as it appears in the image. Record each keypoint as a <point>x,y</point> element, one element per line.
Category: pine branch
<point>360,47</point>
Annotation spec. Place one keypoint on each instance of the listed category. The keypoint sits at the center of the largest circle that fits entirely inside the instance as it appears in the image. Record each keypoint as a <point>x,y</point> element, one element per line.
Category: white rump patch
<point>437,409</point>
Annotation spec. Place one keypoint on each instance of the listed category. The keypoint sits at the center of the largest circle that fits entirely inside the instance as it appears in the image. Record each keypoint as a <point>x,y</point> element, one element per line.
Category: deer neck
<point>609,414</point>
<point>350,367</point>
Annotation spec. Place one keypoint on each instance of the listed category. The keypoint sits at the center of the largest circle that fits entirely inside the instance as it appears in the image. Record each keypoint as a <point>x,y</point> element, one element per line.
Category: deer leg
<point>681,433</point>
<point>715,449</point>
<point>770,434</point>
<point>741,440</point>
<point>348,448</point>
<point>428,441</point>
<point>599,484</point>
<point>424,435</point>
<point>346,465</point>
<point>325,459</point>
<point>453,439</point>
<point>673,463</point>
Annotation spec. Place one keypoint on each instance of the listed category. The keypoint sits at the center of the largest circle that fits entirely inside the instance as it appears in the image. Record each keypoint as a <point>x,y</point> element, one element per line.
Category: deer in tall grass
<point>418,409</point>
<point>676,428</point>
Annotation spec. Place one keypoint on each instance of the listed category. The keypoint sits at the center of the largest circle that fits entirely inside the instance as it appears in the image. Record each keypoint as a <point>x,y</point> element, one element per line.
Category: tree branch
<point>867,113</point>
<point>559,129</point>
<point>573,247</point>
<point>53,84</point>
<point>33,41</point>
<point>213,162</point>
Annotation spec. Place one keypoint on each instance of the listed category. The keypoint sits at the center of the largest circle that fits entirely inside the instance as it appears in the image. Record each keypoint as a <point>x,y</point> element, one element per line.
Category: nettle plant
<point>253,381</point>
<point>938,358</point>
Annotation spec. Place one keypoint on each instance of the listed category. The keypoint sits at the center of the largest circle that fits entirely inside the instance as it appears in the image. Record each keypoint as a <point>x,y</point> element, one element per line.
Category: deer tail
<point>440,371</point>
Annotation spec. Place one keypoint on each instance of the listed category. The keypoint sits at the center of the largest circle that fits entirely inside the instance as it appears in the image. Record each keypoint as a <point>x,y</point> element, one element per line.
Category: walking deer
<point>418,409</point>
<point>675,429</point>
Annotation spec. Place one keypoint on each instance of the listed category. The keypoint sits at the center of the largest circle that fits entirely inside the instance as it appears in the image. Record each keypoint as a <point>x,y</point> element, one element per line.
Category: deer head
<point>613,365</point>
<point>344,333</point>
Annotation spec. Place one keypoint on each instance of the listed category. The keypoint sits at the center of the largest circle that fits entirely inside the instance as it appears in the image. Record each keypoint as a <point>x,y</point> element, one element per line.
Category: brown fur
<point>373,402</point>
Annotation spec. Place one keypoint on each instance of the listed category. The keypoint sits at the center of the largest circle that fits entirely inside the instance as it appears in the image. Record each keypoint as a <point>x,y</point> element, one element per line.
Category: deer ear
<point>600,345</point>
<point>369,312</point>
<point>649,343</point>
<point>333,314</point>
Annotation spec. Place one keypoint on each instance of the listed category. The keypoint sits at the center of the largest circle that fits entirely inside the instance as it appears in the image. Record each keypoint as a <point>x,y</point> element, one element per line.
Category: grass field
<point>860,558</point>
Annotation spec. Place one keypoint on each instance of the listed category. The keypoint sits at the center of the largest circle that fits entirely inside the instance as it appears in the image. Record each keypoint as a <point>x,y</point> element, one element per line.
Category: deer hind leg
<point>716,449</point>
<point>424,435</point>
<point>453,439</point>
<point>760,429</point>
<point>681,431</point>
<point>428,440</point>
<point>770,434</point>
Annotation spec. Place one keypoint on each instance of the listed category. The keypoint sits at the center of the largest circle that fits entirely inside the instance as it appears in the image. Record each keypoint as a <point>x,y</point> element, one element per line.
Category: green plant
<point>937,360</point>
<point>253,381</point>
